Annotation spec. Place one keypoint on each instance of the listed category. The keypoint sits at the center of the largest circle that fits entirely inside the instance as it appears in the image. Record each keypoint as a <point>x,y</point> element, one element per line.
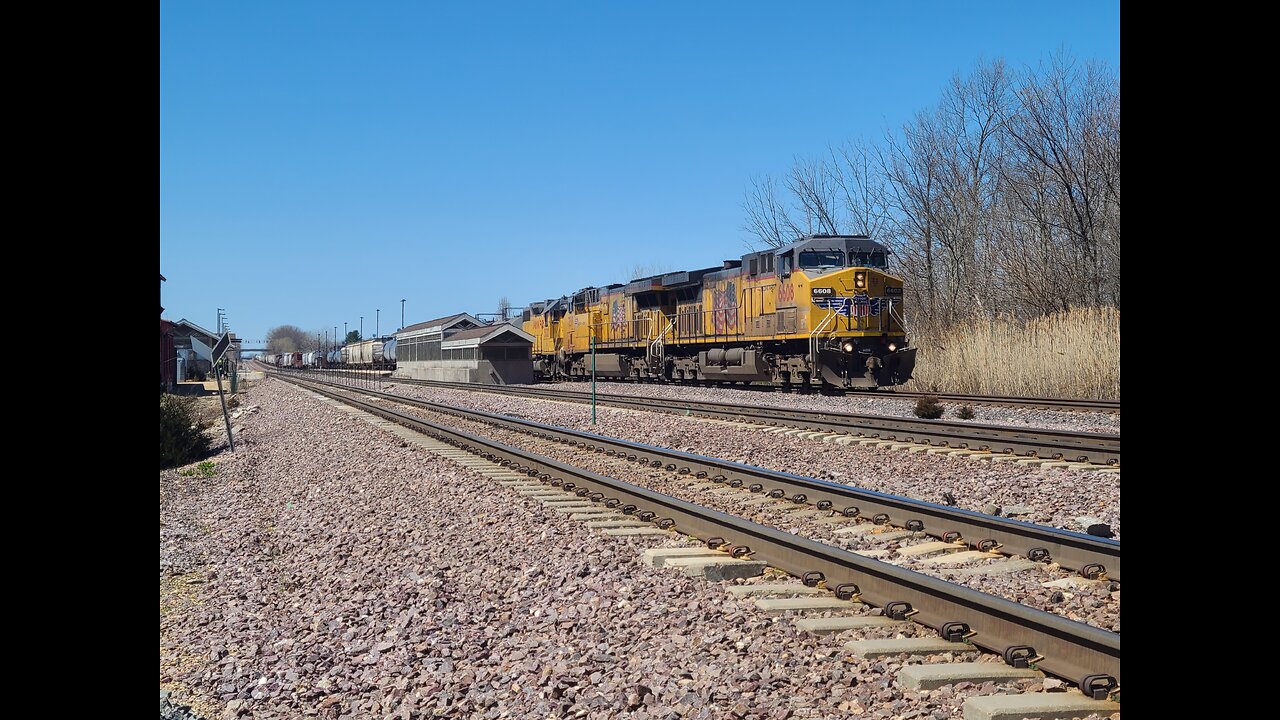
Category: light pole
<point>344,331</point>
<point>377,321</point>
<point>401,313</point>
<point>361,327</point>
<point>335,335</point>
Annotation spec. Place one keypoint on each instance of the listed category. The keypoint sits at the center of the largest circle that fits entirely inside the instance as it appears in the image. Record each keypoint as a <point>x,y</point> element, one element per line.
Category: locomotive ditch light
<point>848,347</point>
<point>893,346</point>
<point>860,279</point>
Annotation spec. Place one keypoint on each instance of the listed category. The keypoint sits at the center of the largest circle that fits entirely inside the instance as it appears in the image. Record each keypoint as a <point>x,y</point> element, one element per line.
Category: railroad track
<point>1038,442</point>
<point>1064,404</point>
<point>1087,656</point>
<point>1089,554</point>
<point>1006,401</point>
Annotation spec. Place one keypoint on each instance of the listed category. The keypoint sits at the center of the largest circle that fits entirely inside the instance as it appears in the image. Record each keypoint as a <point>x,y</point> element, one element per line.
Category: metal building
<point>460,348</point>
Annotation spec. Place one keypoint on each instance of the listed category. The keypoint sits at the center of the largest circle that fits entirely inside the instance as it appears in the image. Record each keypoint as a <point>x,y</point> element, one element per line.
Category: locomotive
<point>821,310</point>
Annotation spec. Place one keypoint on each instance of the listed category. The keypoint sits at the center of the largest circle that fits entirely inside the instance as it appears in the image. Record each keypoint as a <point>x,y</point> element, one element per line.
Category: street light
<point>377,321</point>
<point>361,327</point>
<point>401,313</point>
<point>344,331</point>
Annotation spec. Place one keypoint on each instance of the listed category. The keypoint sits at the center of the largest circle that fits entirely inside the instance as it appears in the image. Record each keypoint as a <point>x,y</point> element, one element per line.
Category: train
<point>364,355</point>
<point>822,310</point>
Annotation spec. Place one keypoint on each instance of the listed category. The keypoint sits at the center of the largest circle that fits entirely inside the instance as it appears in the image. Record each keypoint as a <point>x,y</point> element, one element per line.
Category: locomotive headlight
<point>892,347</point>
<point>848,347</point>
<point>860,280</point>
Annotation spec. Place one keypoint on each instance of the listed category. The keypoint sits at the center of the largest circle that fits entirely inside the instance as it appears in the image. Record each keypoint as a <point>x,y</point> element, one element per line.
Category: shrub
<point>929,408</point>
<point>204,469</point>
<point>182,437</point>
<point>966,412</point>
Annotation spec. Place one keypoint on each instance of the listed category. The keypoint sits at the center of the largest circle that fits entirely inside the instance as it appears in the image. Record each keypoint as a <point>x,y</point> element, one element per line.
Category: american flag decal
<point>857,306</point>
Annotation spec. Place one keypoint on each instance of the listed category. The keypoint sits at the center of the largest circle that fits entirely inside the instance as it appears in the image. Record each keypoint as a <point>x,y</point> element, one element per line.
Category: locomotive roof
<point>857,243</point>
<point>670,280</point>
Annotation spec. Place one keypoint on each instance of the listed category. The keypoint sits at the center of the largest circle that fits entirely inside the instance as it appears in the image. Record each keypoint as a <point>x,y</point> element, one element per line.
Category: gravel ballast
<point>1050,496</point>
<point>328,569</point>
<point>1090,603</point>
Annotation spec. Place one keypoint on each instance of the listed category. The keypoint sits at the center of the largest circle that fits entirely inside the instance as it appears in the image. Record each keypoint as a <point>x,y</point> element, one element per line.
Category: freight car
<point>821,310</point>
<point>364,354</point>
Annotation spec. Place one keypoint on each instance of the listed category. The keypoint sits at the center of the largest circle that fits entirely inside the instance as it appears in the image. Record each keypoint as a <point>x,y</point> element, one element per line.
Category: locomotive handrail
<point>657,348</point>
<point>813,337</point>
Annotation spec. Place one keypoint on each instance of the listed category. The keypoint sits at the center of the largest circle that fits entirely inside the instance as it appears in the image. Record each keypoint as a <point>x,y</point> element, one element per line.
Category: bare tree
<point>1003,198</point>
<point>289,339</point>
<point>810,182</point>
<point>768,221</point>
<point>504,309</point>
<point>1065,175</point>
<point>644,270</point>
<point>861,188</point>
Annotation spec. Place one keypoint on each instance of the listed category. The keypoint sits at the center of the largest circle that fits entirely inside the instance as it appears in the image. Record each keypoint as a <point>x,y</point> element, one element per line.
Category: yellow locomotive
<point>821,310</point>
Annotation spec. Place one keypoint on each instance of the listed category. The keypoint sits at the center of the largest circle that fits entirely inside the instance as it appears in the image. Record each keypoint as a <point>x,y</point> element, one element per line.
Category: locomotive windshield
<point>876,259</point>
<point>821,259</point>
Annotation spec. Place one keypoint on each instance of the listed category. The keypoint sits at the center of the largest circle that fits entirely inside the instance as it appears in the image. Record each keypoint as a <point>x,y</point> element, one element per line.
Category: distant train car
<point>335,357</point>
<point>366,353</point>
<point>389,350</point>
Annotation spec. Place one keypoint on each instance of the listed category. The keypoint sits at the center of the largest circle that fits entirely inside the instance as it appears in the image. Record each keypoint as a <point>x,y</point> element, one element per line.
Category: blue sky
<point>320,160</point>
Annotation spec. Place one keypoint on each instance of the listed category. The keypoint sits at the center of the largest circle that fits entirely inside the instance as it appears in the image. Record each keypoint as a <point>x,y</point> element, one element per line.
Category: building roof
<point>482,335</point>
<point>445,321</point>
<point>197,328</point>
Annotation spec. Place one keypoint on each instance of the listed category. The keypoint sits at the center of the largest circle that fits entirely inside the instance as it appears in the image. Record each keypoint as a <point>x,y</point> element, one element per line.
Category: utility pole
<point>593,376</point>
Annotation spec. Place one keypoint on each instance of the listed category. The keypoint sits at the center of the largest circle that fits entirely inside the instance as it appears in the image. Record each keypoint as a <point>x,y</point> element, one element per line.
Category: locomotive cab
<point>858,334</point>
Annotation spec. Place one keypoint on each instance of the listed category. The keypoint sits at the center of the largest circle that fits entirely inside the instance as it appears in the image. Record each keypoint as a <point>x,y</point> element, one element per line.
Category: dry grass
<point>1073,354</point>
